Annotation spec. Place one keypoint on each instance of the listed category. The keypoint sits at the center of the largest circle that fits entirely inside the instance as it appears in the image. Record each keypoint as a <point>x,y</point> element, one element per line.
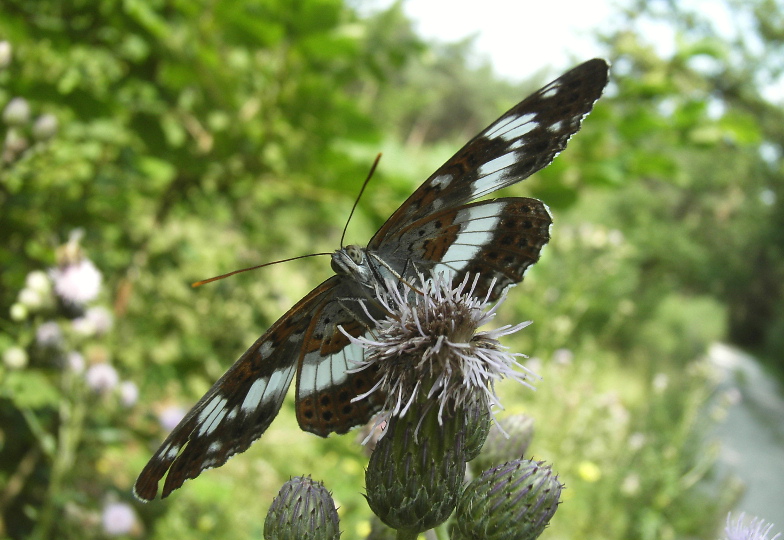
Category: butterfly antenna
<point>361,191</point>
<point>216,278</point>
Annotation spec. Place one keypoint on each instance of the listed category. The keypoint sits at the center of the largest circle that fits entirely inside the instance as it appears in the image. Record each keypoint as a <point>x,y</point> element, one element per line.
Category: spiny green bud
<point>415,473</point>
<point>477,426</point>
<point>303,510</point>
<point>513,501</point>
<point>500,447</point>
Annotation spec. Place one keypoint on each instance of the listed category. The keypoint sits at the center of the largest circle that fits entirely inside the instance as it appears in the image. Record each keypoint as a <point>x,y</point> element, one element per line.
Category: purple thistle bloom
<point>118,519</point>
<point>756,529</point>
<point>77,283</point>
<point>101,319</point>
<point>49,334</point>
<point>102,378</point>
<point>170,416</point>
<point>129,393</point>
<point>432,335</point>
<point>74,361</point>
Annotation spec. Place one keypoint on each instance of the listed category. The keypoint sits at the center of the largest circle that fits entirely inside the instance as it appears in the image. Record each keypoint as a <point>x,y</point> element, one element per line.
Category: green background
<point>195,138</point>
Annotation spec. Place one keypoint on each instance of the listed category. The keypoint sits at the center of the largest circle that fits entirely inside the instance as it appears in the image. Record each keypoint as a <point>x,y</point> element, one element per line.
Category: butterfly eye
<point>356,253</point>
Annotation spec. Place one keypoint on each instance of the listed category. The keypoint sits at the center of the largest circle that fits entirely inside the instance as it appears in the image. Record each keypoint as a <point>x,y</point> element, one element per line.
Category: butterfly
<point>437,229</point>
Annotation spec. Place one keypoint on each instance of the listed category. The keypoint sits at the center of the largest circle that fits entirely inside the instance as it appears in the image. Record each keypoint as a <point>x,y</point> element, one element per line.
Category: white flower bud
<point>45,127</point>
<point>15,358</point>
<point>17,112</point>
<point>5,54</point>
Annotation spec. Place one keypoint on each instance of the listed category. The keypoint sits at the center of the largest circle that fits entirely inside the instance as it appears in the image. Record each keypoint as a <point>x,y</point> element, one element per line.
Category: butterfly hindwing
<point>239,407</point>
<point>498,239</point>
<point>326,387</point>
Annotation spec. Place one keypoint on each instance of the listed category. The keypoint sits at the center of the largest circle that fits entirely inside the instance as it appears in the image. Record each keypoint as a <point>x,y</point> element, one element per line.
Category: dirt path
<point>752,437</point>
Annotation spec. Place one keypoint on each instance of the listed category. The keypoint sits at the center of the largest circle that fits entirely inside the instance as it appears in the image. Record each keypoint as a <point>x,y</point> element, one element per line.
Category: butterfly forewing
<point>435,230</point>
<point>522,141</point>
<point>239,407</point>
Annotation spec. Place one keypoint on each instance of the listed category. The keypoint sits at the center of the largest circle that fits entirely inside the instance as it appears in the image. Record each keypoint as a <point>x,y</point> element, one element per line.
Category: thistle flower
<point>118,518</point>
<point>756,529</point>
<point>76,279</point>
<point>102,378</point>
<point>74,362</point>
<point>77,283</point>
<point>170,416</point>
<point>48,335</point>
<point>508,439</point>
<point>129,393</point>
<point>429,345</point>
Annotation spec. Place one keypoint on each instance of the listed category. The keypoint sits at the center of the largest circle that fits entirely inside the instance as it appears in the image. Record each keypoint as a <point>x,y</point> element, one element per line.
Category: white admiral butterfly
<point>435,230</point>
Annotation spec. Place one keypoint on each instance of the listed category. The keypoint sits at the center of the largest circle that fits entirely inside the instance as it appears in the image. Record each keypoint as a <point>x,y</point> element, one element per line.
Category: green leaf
<point>31,390</point>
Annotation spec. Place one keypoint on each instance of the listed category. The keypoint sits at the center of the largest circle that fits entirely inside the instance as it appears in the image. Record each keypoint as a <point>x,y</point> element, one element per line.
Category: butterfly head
<point>352,261</point>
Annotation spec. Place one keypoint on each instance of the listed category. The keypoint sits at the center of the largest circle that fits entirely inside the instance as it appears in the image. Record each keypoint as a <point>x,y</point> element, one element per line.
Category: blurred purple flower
<point>101,378</point>
<point>74,361</point>
<point>77,283</point>
<point>170,417</point>
<point>101,318</point>
<point>118,518</point>
<point>129,393</point>
<point>96,321</point>
<point>48,334</point>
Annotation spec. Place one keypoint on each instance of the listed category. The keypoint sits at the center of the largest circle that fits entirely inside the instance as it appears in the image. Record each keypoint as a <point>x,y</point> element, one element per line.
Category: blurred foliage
<point>189,139</point>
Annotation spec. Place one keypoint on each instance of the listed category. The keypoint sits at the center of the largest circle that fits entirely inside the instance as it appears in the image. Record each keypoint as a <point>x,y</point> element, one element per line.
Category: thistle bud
<point>506,441</point>
<point>478,425</point>
<point>513,501</point>
<point>415,473</point>
<point>303,510</point>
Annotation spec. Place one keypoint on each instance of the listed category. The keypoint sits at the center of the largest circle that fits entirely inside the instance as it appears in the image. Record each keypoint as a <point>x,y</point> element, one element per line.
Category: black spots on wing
<point>305,407</point>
